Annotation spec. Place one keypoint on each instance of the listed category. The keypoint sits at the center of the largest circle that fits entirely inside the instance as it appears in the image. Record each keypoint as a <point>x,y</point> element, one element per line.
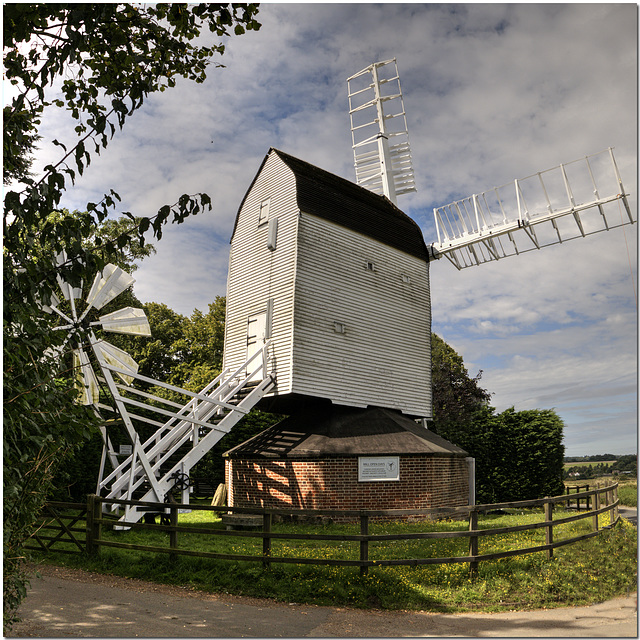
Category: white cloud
<point>492,92</point>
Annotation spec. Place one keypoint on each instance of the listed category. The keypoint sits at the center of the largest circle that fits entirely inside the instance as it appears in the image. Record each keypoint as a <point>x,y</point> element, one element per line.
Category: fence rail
<point>601,499</point>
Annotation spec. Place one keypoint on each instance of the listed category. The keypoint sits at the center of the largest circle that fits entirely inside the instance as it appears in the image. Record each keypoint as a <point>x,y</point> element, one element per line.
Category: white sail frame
<point>380,139</point>
<point>540,210</point>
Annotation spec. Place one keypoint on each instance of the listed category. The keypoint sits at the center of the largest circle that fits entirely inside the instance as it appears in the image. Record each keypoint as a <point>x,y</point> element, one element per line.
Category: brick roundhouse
<point>316,462</point>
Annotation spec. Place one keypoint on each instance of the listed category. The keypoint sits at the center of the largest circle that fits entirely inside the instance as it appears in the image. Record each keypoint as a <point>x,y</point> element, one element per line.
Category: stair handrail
<point>185,423</point>
<point>163,482</point>
<point>266,382</point>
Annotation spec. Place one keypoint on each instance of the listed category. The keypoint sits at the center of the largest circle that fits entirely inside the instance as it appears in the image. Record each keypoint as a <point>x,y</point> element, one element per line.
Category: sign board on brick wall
<point>378,468</point>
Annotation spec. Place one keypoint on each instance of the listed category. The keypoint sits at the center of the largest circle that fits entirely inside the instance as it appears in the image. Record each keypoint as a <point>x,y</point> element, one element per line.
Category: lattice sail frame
<point>550,207</point>
<point>380,139</point>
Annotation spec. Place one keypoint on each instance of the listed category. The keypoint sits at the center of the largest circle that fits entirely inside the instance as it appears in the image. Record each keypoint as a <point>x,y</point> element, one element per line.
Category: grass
<point>628,494</point>
<point>586,572</point>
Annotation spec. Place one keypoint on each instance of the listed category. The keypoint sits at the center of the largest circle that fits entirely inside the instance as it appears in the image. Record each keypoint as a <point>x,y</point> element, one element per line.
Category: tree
<point>457,397</point>
<point>201,347</point>
<point>157,355</point>
<point>626,463</point>
<point>105,59</point>
<point>519,454</point>
<point>520,457</point>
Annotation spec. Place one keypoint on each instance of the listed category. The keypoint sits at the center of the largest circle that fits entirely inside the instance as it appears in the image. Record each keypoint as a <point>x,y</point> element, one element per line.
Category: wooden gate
<point>62,528</point>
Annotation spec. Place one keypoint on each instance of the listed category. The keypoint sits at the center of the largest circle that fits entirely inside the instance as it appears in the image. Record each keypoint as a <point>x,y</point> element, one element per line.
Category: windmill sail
<point>127,320</point>
<point>379,133</point>
<point>117,358</point>
<point>86,381</point>
<point>71,294</point>
<point>550,207</point>
<point>107,285</point>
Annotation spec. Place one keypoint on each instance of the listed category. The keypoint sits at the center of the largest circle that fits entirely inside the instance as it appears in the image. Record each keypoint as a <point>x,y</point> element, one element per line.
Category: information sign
<point>378,468</point>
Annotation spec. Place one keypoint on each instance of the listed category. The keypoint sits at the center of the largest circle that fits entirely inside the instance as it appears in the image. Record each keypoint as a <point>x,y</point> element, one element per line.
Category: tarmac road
<point>73,603</point>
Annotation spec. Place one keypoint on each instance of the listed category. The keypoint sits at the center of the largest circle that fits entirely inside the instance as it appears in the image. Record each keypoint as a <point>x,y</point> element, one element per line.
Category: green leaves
<point>519,454</point>
<point>456,396</point>
<point>106,59</point>
<point>525,455</point>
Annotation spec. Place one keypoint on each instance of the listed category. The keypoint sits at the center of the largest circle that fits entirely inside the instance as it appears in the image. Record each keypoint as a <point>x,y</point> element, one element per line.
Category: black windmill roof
<point>328,196</point>
<point>345,431</point>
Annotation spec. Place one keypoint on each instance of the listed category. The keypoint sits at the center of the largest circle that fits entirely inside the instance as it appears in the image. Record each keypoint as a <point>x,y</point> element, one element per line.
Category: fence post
<point>588,498</point>
<point>266,540</point>
<point>548,517</point>
<point>596,506</point>
<point>364,544</point>
<point>473,543</point>
<point>615,499</point>
<point>173,533</point>
<point>93,528</point>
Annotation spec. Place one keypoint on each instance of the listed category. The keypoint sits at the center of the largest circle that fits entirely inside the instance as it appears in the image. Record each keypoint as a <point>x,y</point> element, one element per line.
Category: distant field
<point>586,464</point>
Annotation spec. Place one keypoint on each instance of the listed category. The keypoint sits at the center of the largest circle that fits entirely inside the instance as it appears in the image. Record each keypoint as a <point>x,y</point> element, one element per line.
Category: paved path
<point>72,603</point>
<point>630,514</point>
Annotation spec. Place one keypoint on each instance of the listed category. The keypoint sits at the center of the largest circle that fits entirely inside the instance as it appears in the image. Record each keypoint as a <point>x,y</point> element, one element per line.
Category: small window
<point>339,327</point>
<point>370,266</point>
<point>264,211</point>
<point>405,278</point>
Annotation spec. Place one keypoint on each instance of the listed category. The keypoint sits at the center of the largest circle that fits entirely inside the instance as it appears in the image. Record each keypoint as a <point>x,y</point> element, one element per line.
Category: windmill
<point>319,270</point>
<point>337,276</point>
<point>546,208</point>
<point>178,434</point>
<point>106,286</point>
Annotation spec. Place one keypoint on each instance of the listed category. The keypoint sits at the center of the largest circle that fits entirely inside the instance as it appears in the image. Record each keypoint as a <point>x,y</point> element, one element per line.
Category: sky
<point>492,92</point>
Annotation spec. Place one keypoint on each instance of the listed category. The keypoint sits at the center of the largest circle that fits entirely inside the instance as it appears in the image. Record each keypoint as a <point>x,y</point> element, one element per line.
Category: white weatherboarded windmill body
<point>337,278</point>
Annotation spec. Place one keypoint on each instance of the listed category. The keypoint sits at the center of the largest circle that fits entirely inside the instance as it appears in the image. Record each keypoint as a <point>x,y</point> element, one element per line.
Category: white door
<point>256,337</point>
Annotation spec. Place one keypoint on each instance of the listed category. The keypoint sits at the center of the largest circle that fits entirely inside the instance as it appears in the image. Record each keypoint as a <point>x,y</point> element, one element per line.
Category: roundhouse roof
<point>345,203</point>
<point>345,431</point>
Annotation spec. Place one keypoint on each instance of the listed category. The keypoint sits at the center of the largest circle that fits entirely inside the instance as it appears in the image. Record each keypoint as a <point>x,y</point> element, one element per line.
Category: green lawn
<point>581,573</point>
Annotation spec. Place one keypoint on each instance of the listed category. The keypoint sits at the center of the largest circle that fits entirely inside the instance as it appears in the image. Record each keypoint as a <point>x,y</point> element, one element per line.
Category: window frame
<point>263,212</point>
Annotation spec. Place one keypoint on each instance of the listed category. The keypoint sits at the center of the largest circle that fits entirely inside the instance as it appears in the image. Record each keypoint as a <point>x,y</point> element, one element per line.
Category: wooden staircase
<point>162,463</point>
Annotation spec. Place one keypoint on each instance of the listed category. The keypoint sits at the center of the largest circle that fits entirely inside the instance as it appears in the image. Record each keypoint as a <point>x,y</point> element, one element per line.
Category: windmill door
<point>256,337</point>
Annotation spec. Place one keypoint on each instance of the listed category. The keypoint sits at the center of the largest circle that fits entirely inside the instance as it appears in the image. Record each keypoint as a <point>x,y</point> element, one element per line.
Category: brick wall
<point>332,483</point>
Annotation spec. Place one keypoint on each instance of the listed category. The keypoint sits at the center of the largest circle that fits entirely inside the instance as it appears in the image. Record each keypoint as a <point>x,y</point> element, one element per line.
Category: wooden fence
<point>578,500</point>
<point>602,499</point>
